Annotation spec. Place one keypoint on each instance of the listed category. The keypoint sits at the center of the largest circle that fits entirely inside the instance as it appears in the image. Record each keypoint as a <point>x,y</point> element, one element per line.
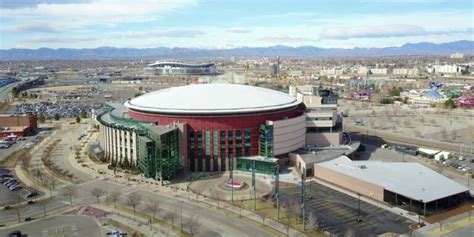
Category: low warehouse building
<point>411,186</point>
<point>17,125</point>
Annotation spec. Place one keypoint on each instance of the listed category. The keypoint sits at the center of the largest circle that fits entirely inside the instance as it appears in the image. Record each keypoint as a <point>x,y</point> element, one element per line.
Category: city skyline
<point>231,24</point>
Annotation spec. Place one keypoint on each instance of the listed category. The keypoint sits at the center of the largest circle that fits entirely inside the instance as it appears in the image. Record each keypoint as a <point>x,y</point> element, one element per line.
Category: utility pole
<point>254,188</point>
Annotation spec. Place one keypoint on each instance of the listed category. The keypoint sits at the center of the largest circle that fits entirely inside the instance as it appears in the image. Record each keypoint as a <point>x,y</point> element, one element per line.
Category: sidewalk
<point>448,226</point>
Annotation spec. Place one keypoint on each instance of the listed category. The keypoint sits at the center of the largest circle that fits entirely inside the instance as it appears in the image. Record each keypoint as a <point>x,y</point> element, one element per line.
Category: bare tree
<point>262,216</point>
<point>171,216</point>
<point>18,199</point>
<point>407,123</point>
<point>313,222</point>
<point>294,210</point>
<point>152,205</point>
<point>134,200</point>
<point>70,192</point>
<point>216,195</point>
<point>191,225</point>
<point>454,135</point>
<point>350,233</point>
<point>97,193</point>
<point>44,203</point>
<point>418,133</point>
<point>422,119</point>
<point>198,190</point>
<point>444,133</point>
<point>114,196</point>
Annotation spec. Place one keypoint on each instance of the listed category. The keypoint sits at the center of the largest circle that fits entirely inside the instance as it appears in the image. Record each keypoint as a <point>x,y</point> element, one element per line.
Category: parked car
<point>29,218</point>
<point>4,170</point>
<point>12,184</point>
<point>31,194</point>
<point>14,188</point>
<point>461,158</point>
<point>15,233</point>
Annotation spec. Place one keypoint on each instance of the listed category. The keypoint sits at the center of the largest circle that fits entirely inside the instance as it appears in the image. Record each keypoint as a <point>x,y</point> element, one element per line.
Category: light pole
<point>277,190</point>
<point>181,216</point>
<point>231,177</point>
<point>358,208</point>
<point>303,178</point>
<point>107,192</point>
<point>254,187</point>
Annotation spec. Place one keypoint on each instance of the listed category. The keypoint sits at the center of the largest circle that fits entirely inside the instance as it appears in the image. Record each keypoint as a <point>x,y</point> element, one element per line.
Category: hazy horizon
<point>210,24</point>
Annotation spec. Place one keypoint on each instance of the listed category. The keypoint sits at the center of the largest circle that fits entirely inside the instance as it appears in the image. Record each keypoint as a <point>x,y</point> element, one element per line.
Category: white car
<point>461,158</point>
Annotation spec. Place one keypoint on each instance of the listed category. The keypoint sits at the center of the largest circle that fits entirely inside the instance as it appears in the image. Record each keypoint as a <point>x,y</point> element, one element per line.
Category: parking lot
<point>9,197</point>
<point>338,212</point>
<point>60,226</point>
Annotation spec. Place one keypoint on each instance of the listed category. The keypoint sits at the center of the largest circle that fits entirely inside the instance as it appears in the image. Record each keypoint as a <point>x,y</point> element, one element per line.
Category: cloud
<point>99,12</point>
<point>52,40</point>
<point>33,28</point>
<point>11,4</point>
<point>239,30</point>
<point>380,31</point>
<point>179,33</point>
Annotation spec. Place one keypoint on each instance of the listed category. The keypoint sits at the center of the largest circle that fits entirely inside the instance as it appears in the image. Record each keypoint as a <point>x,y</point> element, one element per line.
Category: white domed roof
<point>212,99</point>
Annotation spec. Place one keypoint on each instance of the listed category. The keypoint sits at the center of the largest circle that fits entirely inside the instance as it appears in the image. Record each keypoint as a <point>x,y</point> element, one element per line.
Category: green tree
<point>78,119</point>
<point>56,117</point>
<point>449,104</point>
<point>41,118</point>
<point>83,114</point>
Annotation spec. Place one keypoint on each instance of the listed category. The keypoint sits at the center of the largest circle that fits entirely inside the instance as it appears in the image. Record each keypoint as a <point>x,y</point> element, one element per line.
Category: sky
<point>217,24</point>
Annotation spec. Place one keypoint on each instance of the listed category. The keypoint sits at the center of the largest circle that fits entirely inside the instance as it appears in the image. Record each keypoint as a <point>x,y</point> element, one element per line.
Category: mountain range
<point>409,49</point>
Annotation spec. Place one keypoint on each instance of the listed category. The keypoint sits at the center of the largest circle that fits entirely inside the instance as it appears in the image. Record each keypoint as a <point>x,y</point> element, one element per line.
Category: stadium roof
<point>180,64</point>
<point>212,99</point>
<point>409,179</point>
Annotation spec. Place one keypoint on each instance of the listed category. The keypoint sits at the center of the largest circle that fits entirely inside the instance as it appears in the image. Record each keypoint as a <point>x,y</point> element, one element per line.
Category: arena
<point>178,68</point>
<point>208,127</point>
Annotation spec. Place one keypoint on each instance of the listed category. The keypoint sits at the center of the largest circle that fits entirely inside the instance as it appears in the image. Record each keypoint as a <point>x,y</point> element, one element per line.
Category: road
<point>5,92</point>
<point>209,219</point>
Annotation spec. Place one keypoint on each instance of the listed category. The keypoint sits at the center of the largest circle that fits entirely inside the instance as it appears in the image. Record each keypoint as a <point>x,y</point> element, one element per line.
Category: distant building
<point>6,81</point>
<point>445,69</point>
<point>457,56</point>
<point>17,125</point>
<point>379,71</point>
<point>178,68</point>
<point>466,101</point>
<point>406,71</point>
